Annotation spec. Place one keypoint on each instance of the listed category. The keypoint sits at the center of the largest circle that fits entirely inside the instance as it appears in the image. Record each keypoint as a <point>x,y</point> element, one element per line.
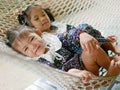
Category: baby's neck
<point>50,31</point>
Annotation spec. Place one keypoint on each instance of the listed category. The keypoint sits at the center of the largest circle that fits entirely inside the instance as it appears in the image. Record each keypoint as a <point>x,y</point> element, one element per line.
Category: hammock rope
<point>97,13</point>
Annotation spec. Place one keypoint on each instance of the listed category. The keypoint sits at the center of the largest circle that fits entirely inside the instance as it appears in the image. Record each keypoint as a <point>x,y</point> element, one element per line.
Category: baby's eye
<point>36,18</point>
<point>25,49</point>
<point>43,15</point>
<point>31,39</point>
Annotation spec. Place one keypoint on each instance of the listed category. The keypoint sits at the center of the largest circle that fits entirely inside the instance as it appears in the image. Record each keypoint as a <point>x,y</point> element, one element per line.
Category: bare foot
<point>117,49</point>
<point>113,40</point>
<point>114,68</point>
<point>116,58</point>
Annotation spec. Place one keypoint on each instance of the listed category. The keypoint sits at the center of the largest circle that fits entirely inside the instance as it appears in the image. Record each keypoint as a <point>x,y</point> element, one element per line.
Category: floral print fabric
<point>71,49</point>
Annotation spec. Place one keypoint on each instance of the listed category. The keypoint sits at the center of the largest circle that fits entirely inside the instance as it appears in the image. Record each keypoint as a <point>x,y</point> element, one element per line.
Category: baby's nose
<point>43,20</point>
<point>32,46</point>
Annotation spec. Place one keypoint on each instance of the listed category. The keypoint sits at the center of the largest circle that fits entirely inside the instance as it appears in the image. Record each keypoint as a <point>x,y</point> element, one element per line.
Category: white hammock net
<point>103,15</point>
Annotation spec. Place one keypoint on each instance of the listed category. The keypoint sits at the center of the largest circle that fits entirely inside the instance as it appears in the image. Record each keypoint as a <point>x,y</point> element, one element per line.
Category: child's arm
<point>87,36</point>
<point>112,45</point>
<point>85,75</point>
<point>46,62</point>
<point>78,40</point>
<point>88,42</point>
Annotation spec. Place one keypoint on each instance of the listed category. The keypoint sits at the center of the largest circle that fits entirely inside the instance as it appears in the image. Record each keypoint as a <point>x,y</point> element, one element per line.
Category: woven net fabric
<point>102,14</point>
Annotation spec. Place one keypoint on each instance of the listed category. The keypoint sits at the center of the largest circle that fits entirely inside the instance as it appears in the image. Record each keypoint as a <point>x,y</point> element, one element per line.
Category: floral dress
<point>71,49</point>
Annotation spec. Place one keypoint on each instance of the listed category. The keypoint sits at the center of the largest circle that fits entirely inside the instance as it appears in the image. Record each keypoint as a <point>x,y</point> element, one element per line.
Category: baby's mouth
<point>45,23</point>
<point>37,49</point>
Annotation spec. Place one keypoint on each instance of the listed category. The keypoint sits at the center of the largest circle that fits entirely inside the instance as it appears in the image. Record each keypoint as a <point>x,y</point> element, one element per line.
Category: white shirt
<point>61,27</point>
<point>54,43</point>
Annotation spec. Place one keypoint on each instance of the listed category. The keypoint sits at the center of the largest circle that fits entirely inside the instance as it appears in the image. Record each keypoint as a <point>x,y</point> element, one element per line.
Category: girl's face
<point>39,19</point>
<point>29,44</point>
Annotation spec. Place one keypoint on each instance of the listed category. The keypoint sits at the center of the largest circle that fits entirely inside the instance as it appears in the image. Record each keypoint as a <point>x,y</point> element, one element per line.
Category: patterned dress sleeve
<point>90,30</point>
<point>46,62</point>
<point>70,41</point>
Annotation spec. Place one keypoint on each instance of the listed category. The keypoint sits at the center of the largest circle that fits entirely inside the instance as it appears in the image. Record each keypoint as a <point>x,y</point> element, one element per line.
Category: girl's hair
<point>23,18</point>
<point>11,35</point>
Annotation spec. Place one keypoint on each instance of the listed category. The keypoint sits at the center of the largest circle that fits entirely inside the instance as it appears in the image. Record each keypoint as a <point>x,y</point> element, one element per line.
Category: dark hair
<point>12,34</point>
<point>23,18</point>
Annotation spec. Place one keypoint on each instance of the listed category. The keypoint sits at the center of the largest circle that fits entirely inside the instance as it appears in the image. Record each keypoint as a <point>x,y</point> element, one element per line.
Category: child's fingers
<point>118,63</point>
<point>112,38</point>
<point>112,63</point>
<point>83,46</point>
<point>86,77</point>
<point>38,32</point>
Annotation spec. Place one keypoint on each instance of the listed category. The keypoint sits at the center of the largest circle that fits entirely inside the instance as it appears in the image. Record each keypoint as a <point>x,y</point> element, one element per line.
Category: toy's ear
<point>38,31</point>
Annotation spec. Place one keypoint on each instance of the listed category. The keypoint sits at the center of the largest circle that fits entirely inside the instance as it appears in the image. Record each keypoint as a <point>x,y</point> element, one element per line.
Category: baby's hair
<point>11,35</point>
<point>24,18</point>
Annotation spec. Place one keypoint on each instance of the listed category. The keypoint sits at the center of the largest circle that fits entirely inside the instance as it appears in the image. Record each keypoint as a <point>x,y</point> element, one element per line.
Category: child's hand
<point>112,38</point>
<point>88,42</point>
<point>85,75</point>
<point>114,68</point>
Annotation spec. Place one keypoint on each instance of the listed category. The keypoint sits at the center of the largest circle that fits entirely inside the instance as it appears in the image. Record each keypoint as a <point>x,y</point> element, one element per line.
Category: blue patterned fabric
<point>71,49</point>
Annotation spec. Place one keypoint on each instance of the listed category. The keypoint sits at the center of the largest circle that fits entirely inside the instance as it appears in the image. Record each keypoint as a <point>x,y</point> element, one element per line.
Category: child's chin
<point>47,26</point>
<point>37,55</point>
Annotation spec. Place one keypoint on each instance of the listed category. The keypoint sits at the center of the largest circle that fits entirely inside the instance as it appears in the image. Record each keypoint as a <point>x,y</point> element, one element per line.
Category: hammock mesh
<point>102,14</point>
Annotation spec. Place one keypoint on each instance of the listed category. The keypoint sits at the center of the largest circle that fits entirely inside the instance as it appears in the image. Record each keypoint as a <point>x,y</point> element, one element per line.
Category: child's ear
<point>38,31</point>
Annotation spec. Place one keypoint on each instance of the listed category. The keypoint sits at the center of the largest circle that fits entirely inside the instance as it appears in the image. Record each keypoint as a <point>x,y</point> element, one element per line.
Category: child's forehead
<point>23,35</point>
<point>19,40</point>
<point>37,9</point>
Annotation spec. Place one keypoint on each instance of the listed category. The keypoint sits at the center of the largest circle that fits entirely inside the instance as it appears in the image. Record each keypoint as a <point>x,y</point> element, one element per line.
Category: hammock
<point>103,15</point>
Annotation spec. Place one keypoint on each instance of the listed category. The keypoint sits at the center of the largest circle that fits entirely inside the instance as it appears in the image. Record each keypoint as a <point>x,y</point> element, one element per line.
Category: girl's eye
<point>43,15</point>
<point>26,49</point>
<point>36,19</point>
<point>31,39</point>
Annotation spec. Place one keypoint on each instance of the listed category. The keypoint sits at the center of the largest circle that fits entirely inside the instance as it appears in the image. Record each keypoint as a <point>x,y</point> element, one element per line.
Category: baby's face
<point>39,19</point>
<point>29,44</point>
